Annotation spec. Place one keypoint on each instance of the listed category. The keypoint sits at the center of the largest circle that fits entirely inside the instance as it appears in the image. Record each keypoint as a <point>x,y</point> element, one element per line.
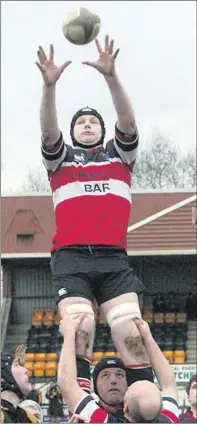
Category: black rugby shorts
<point>101,272</point>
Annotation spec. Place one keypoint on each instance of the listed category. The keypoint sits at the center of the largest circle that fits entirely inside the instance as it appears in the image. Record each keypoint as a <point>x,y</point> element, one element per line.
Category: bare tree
<point>36,181</point>
<point>188,169</point>
<point>162,165</point>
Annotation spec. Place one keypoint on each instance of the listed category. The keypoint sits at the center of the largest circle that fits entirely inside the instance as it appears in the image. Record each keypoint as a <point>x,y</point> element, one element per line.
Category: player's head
<point>142,402</point>
<point>32,409</point>
<point>191,390</point>
<point>87,128</point>
<point>14,376</point>
<point>109,378</point>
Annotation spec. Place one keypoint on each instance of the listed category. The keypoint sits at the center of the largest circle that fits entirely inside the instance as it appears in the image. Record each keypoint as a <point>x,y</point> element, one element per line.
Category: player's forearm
<point>67,369</point>
<point>125,114</point>
<point>67,373</point>
<point>160,364</point>
<point>48,116</point>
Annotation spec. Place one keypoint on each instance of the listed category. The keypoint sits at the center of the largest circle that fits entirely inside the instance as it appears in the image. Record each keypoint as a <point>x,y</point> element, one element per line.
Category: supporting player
<point>15,386</point>
<point>111,379</point>
<point>143,402</point>
<point>91,186</point>
<point>190,416</point>
<point>33,408</point>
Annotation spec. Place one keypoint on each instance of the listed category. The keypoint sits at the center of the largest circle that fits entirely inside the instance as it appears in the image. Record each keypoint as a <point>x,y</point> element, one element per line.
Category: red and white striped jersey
<point>91,412</point>
<point>170,410</point>
<point>187,417</point>
<point>91,190</point>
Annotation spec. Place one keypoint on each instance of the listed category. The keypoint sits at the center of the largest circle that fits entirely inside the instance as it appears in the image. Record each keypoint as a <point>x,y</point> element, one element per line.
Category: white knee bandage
<point>123,312</point>
<point>78,308</point>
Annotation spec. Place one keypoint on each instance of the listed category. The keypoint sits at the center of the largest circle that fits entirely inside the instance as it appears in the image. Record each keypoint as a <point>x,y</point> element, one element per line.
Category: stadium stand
<point>168,328</point>
<point>43,344</point>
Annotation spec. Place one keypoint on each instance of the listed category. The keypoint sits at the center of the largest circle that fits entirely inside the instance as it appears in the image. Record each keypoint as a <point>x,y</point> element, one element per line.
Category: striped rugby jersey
<point>187,417</point>
<point>91,412</point>
<point>91,190</point>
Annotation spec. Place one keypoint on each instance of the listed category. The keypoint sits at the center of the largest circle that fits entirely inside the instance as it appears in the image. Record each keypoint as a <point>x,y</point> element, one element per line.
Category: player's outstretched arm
<point>106,66</point>
<point>48,114</point>
<point>158,361</point>
<point>67,369</point>
<point>78,401</point>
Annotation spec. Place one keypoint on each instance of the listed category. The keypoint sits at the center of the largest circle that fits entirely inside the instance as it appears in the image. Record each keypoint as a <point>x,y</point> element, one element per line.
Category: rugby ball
<point>81,26</point>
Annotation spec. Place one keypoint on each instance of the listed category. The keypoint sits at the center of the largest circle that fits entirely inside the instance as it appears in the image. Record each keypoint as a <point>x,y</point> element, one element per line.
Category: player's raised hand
<point>143,328</point>
<point>107,56</point>
<point>50,72</point>
<point>20,354</point>
<point>68,324</point>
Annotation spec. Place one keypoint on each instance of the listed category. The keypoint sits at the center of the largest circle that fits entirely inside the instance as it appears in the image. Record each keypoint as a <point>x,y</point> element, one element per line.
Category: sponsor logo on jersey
<point>105,155</point>
<point>97,187</point>
<point>79,158</point>
<point>84,383</point>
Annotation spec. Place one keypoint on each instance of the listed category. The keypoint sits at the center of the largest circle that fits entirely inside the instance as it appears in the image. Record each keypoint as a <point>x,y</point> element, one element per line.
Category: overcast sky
<point>156,63</point>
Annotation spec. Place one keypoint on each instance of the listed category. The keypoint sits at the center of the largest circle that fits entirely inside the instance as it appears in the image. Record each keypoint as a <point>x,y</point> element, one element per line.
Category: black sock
<point>136,374</point>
